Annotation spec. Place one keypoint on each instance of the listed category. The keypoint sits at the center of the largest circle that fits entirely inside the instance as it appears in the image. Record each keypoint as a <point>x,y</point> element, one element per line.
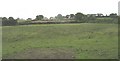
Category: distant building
<point>119,8</point>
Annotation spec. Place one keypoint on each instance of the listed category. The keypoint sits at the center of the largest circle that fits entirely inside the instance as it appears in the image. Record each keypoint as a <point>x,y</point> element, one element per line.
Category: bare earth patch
<point>44,53</point>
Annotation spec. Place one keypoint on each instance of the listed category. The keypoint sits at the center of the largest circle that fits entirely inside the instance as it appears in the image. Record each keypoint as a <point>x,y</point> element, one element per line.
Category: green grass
<point>90,41</point>
<point>0,43</point>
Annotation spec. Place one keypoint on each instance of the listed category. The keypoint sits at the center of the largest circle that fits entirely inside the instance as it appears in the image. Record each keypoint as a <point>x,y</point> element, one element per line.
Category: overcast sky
<point>31,8</point>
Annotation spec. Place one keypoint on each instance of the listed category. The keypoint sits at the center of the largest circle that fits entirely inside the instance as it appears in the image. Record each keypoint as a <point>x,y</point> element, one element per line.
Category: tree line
<point>9,21</point>
<point>78,18</point>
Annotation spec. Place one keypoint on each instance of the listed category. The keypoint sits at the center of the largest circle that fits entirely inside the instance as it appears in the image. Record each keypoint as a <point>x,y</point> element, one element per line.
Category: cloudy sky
<point>31,8</point>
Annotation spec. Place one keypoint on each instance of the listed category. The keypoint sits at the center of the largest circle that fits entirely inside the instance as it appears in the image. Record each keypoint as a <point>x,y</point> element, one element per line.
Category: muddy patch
<point>44,53</point>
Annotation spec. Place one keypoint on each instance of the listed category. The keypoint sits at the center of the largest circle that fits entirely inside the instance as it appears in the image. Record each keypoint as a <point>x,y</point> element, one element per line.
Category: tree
<point>29,19</point>
<point>79,17</point>
<point>18,19</point>
<point>67,16</point>
<point>113,15</point>
<point>4,21</point>
<point>91,17</point>
<point>39,17</point>
<point>12,21</point>
<point>9,21</point>
<point>99,14</point>
<point>72,16</point>
<point>59,16</point>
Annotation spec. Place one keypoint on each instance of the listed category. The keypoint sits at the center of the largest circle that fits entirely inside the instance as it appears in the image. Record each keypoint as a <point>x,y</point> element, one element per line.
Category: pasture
<point>61,41</point>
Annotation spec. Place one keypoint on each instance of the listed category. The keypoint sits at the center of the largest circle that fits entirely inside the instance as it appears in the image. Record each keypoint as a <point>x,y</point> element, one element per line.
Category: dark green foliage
<point>29,19</point>
<point>91,17</point>
<point>39,17</point>
<point>18,19</point>
<point>67,16</point>
<point>79,17</point>
<point>113,15</point>
<point>4,21</point>
<point>99,15</point>
<point>104,20</point>
<point>9,21</point>
<point>72,16</point>
<point>12,21</point>
<point>59,16</point>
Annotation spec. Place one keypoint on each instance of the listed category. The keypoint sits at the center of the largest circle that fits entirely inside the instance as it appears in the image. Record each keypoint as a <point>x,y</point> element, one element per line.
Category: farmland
<point>77,41</point>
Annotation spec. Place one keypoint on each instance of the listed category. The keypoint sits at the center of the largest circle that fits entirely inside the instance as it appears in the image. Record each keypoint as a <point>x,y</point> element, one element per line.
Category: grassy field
<point>81,41</point>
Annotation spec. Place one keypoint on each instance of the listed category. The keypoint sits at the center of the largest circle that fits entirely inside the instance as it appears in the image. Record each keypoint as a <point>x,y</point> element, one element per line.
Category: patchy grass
<point>89,41</point>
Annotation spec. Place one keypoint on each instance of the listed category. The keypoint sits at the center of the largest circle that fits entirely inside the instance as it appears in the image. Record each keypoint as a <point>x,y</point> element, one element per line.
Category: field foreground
<point>61,41</point>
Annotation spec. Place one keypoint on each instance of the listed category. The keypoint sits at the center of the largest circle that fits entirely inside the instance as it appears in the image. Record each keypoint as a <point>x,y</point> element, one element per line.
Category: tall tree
<point>79,17</point>
<point>4,21</point>
<point>39,17</point>
<point>11,18</point>
<point>9,21</point>
<point>67,16</point>
<point>12,21</point>
<point>72,16</point>
<point>59,16</point>
<point>113,15</point>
